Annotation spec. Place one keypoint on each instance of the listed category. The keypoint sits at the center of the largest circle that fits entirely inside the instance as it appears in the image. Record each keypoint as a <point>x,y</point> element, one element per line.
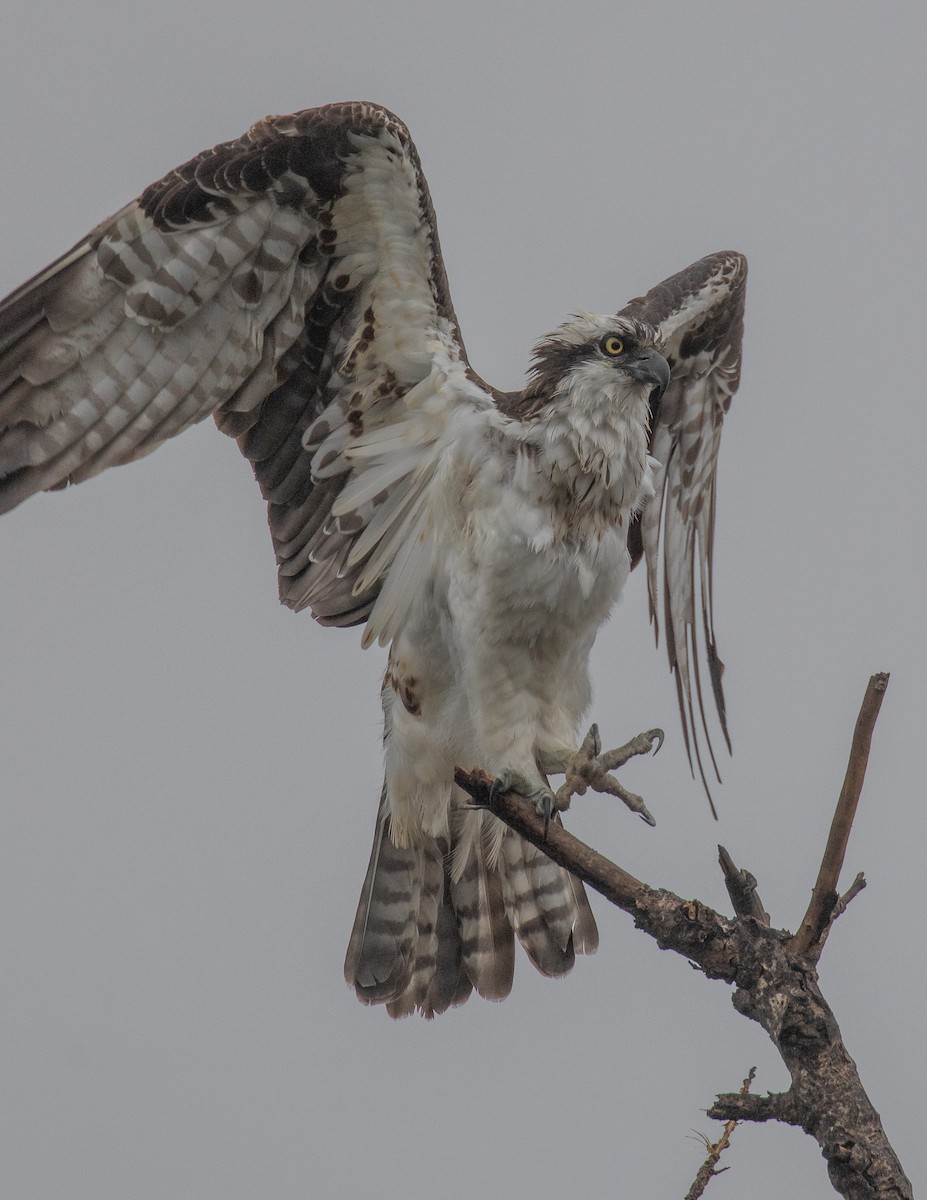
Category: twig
<point>808,940</point>
<point>850,894</point>
<point>841,906</point>
<point>708,1169</point>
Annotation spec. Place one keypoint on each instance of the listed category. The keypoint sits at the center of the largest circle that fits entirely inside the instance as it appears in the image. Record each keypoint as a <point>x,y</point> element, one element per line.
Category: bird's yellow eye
<point>612,345</point>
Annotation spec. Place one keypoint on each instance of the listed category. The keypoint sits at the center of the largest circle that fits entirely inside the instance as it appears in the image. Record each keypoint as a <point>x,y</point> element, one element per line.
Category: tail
<point>425,935</point>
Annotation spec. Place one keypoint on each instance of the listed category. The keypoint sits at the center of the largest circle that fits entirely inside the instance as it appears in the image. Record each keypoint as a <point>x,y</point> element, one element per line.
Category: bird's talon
<point>508,781</point>
<point>591,767</point>
<point>544,800</point>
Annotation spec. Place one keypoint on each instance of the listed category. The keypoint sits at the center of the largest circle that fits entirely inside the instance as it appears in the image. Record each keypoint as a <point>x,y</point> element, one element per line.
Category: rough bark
<point>773,973</point>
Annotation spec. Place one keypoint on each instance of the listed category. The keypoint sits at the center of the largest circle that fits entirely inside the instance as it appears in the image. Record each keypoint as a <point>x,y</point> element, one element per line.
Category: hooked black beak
<point>650,367</point>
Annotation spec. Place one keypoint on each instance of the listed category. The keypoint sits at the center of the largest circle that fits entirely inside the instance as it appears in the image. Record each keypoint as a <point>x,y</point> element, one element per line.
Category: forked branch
<point>773,973</point>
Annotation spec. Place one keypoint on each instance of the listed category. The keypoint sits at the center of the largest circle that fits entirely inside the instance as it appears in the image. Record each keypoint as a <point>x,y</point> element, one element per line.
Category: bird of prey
<point>290,284</point>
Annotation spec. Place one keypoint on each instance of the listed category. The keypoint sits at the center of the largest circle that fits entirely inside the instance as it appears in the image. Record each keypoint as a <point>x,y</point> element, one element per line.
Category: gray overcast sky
<point>189,773</point>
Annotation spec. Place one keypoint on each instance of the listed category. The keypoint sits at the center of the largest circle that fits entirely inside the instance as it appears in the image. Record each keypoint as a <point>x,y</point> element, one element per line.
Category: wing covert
<point>700,315</point>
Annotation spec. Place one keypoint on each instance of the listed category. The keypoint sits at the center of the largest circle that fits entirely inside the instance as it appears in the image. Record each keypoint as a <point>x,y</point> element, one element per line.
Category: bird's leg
<point>588,767</point>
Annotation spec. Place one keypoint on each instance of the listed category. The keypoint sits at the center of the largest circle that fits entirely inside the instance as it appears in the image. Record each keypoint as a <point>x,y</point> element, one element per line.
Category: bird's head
<point>613,357</point>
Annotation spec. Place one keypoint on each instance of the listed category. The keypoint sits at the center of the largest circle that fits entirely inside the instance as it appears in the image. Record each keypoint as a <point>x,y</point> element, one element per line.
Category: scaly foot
<point>590,767</point>
<point>536,790</point>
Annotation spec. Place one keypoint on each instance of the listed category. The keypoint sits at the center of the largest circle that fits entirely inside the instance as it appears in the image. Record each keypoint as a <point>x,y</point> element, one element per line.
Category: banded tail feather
<point>429,931</point>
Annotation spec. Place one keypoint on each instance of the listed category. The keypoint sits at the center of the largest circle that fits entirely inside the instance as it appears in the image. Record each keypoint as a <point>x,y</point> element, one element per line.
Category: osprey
<point>290,284</point>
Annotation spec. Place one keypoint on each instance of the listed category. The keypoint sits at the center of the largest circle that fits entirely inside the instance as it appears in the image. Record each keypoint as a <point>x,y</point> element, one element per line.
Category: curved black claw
<point>658,736</point>
<point>592,743</point>
<point>497,788</point>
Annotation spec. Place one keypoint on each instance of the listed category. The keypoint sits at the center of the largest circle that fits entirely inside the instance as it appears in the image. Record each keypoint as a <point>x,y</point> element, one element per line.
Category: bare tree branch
<point>775,984</point>
<point>810,936</point>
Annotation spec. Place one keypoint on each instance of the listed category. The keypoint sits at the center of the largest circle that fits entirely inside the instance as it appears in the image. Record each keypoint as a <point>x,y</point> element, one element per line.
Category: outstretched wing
<point>700,315</point>
<point>289,283</point>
